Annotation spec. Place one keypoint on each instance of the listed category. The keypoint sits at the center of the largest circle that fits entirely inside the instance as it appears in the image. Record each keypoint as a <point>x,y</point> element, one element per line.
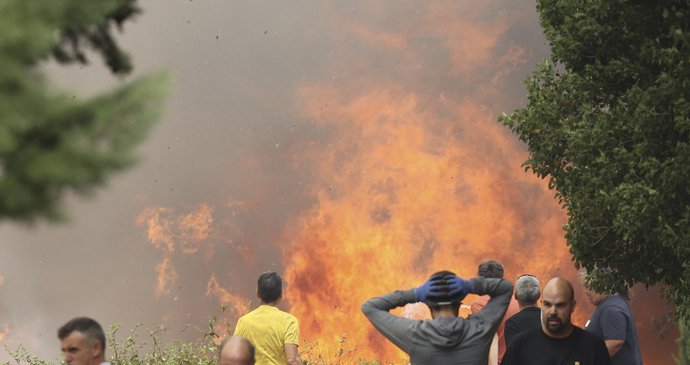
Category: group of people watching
<point>266,335</point>
<point>500,330</point>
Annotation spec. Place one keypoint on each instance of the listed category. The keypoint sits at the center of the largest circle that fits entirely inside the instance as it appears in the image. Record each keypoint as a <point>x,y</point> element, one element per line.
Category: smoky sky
<point>234,137</point>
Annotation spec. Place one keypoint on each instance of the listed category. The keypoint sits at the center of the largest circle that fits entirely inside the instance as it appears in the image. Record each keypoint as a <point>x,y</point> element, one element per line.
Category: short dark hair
<point>490,269</point>
<point>87,326</point>
<point>270,286</point>
<point>443,299</point>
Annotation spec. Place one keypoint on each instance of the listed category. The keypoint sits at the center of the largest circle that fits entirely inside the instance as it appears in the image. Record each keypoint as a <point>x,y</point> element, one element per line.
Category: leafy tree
<point>608,122</point>
<point>50,142</point>
<point>683,345</point>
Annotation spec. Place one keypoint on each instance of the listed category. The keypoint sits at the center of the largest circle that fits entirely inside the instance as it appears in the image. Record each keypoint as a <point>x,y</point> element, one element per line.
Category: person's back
<point>458,340</point>
<point>274,333</point>
<point>526,294</point>
<point>445,339</point>
<point>494,269</point>
<point>265,327</point>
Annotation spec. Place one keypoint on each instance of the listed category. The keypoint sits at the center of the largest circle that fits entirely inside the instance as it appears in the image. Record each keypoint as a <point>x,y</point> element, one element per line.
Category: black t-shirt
<point>524,320</point>
<point>533,347</point>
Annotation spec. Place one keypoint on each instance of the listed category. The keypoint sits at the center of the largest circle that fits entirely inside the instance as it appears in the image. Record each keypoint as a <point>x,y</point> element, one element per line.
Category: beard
<point>554,324</point>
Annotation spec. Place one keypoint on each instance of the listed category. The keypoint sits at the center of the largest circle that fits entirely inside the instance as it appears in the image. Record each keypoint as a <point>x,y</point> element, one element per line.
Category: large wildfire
<point>382,161</point>
<point>407,178</point>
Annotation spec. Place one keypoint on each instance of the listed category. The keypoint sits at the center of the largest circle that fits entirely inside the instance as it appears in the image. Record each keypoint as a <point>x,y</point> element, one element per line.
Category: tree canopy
<point>51,142</point>
<point>608,122</point>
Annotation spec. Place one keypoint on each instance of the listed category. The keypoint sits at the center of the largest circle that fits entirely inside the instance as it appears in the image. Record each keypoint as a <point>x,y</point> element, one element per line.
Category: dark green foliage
<point>683,344</point>
<point>51,142</point>
<point>608,122</point>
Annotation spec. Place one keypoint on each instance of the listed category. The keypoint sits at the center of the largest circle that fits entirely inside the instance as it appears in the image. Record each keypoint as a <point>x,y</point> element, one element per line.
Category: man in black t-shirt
<point>527,294</point>
<point>557,341</point>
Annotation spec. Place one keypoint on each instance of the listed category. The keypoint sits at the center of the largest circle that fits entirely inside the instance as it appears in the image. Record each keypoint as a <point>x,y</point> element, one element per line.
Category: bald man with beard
<point>557,340</point>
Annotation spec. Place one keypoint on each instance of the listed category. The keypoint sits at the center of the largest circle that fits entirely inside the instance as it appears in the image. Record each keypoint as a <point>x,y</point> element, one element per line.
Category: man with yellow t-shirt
<point>274,333</point>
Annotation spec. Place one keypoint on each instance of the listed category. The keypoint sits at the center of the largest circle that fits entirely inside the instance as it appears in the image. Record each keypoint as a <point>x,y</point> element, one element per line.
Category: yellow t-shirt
<point>269,329</point>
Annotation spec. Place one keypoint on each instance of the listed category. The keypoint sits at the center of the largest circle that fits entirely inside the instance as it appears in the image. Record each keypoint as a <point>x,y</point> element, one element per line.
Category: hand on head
<point>430,288</point>
<point>458,286</point>
<point>443,287</point>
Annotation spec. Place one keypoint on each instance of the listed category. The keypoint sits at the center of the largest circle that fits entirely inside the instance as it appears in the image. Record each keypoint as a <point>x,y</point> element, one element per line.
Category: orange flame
<point>237,303</point>
<point>402,202</point>
<point>159,229</point>
<point>5,331</point>
<point>187,230</point>
<point>166,277</point>
<point>410,182</point>
<point>194,227</point>
<point>164,231</point>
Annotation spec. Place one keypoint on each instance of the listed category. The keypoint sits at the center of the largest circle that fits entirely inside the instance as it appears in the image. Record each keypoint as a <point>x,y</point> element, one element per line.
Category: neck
<point>525,306</point>
<point>272,304</point>
<point>443,312</point>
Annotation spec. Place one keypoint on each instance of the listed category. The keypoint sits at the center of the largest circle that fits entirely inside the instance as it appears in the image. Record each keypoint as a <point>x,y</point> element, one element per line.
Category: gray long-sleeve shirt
<point>446,340</point>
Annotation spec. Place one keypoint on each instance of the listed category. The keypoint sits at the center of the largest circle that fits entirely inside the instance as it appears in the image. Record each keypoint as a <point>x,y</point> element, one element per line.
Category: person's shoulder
<point>586,335</point>
<point>614,305</point>
<point>285,315</point>
<point>527,335</point>
<point>251,312</point>
<point>617,301</point>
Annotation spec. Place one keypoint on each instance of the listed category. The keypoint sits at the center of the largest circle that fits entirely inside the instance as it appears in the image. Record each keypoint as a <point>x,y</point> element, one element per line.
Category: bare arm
<point>614,346</point>
<point>493,351</point>
<point>394,328</point>
<point>292,355</point>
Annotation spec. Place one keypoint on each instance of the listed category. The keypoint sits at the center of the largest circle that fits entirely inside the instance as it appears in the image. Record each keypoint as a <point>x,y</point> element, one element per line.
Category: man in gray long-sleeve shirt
<point>446,339</point>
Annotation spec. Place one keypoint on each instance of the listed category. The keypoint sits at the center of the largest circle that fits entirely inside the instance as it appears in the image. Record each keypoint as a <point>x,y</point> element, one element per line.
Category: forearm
<point>491,287</point>
<point>388,301</point>
<point>292,355</point>
<point>500,292</point>
<point>614,346</point>
<point>394,328</point>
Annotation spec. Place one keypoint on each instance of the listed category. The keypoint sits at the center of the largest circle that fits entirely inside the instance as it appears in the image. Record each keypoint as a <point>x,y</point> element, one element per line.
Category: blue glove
<point>459,287</point>
<point>432,285</point>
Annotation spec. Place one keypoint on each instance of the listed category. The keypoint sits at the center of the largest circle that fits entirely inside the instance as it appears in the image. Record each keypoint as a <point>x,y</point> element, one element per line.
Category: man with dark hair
<point>236,350</point>
<point>83,342</point>
<point>445,339</point>
<point>490,269</point>
<point>274,333</point>
<point>613,321</point>
<point>557,340</point>
<point>527,294</point>
<point>494,269</point>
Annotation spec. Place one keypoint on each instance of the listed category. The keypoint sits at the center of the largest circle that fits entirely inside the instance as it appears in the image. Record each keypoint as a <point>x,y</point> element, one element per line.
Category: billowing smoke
<point>352,146</point>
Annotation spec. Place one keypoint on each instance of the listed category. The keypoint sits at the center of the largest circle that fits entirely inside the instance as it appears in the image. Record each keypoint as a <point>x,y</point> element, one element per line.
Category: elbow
<point>506,287</point>
<point>366,308</point>
<point>613,346</point>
